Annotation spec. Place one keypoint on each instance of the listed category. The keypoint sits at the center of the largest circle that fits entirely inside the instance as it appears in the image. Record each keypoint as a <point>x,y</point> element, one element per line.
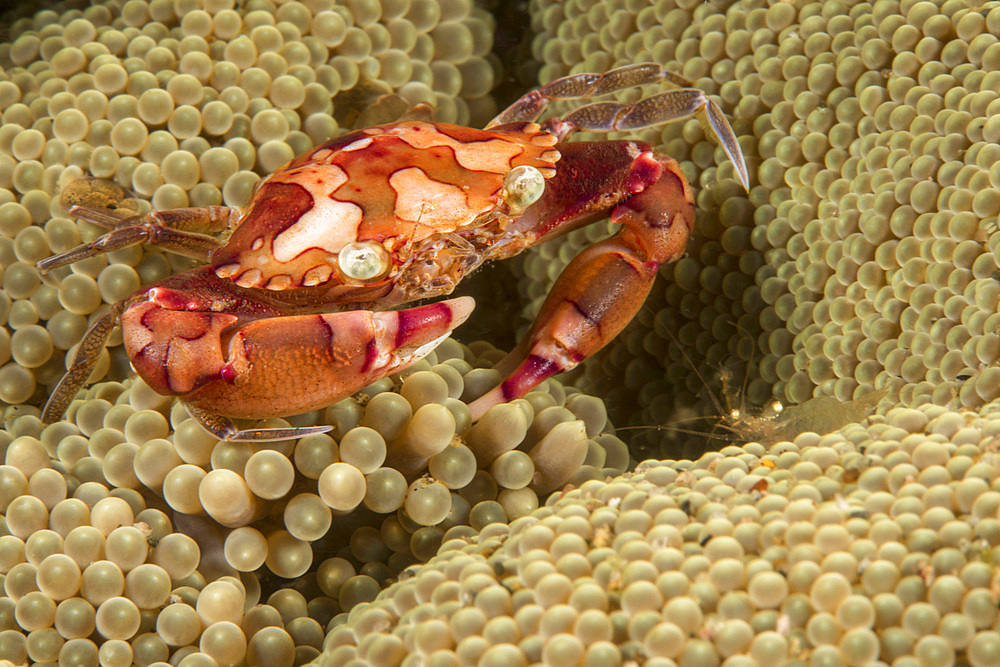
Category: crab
<point>289,312</point>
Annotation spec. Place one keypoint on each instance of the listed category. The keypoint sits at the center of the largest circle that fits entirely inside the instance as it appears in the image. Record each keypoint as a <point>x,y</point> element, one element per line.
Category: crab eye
<point>363,260</point>
<point>523,186</point>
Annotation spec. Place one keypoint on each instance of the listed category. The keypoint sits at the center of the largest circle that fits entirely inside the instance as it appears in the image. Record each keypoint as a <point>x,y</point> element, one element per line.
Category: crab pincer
<point>287,365</point>
<point>239,364</point>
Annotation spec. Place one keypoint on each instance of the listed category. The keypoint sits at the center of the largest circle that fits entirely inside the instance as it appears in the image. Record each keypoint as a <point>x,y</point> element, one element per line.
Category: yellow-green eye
<point>363,260</point>
<point>522,187</point>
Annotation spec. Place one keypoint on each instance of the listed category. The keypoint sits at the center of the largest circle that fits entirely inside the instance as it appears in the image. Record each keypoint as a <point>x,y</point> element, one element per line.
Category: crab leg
<point>667,107</point>
<point>87,354</point>
<point>604,286</point>
<point>171,230</point>
<point>585,86</point>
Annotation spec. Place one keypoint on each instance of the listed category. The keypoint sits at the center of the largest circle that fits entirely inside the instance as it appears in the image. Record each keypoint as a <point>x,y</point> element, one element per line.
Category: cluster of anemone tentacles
<point>130,534</point>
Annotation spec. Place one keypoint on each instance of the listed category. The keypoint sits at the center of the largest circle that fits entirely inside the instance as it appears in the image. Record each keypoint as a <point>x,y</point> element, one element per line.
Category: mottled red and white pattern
<point>397,185</point>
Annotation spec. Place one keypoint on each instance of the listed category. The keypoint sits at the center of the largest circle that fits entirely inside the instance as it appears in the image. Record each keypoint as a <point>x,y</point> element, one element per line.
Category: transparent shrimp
<point>736,422</point>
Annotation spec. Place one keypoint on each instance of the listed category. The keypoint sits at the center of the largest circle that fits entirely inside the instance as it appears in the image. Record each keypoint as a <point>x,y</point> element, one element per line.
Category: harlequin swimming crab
<point>281,319</point>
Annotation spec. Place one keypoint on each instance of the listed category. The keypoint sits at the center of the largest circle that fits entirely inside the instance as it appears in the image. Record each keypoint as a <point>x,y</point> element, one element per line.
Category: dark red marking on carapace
<point>274,208</point>
<point>472,136</point>
<point>334,145</point>
<point>370,168</point>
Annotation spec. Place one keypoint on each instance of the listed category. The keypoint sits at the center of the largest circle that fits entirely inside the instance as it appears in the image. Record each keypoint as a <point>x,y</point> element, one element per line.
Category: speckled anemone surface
<point>873,545</point>
<point>863,256</point>
<point>127,533</point>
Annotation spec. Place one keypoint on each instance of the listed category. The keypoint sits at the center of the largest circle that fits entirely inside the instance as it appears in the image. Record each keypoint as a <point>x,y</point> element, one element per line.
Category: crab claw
<point>281,366</point>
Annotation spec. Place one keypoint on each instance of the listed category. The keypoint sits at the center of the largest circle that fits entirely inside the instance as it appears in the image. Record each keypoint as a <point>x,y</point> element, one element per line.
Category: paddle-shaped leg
<point>673,105</point>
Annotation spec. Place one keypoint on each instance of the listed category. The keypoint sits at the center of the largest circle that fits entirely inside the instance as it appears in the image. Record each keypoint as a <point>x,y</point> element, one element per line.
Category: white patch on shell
<point>492,155</point>
<point>227,270</point>
<point>279,282</point>
<point>321,154</point>
<point>542,138</point>
<point>419,198</point>
<point>384,331</point>
<point>357,145</point>
<point>249,278</point>
<point>317,275</point>
<point>328,225</point>
<point>258,243</point>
